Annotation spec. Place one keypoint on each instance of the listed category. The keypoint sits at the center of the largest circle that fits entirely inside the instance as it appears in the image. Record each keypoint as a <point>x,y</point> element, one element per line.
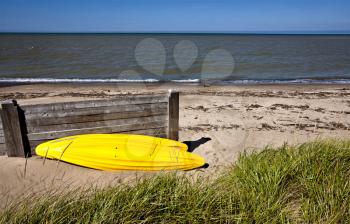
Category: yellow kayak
<point>121,152</point>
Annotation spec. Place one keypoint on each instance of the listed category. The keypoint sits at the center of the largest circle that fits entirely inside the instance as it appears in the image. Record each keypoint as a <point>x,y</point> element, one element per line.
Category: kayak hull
<point>121,152</point>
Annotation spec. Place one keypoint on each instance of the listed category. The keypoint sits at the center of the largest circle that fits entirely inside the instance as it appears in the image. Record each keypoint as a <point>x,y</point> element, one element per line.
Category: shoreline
<point>302,81</point>
<point>175,85</point>
<point>32,93</point>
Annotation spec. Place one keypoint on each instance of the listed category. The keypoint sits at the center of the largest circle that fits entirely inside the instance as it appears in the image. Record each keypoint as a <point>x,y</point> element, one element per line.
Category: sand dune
<point>219,121</point>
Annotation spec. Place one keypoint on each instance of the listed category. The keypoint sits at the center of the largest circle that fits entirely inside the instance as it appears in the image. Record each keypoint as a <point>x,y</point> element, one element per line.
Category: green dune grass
<point>308,183</point>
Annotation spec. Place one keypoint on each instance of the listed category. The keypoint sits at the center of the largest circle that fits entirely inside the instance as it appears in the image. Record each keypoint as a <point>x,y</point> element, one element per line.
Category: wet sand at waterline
<point>235,118</point>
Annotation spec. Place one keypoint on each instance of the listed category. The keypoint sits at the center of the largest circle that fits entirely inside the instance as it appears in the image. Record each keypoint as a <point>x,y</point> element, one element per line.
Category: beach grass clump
<point>308,183</point>
<point>305,183</point>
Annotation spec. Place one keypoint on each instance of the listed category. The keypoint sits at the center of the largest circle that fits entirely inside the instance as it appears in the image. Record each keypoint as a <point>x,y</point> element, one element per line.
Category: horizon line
<point>188,32</point>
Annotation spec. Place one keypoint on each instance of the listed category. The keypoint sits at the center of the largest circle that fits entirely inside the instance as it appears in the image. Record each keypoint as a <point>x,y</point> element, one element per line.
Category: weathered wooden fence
<point>2,141</point>
<point>24,127</point>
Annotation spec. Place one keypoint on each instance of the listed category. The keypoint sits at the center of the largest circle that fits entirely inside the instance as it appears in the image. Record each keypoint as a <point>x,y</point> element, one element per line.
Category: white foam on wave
<point>76,80</point>
<point>232,82</point>
<point>294,81</point>
<point>186,80</point>
<point>72,80</point>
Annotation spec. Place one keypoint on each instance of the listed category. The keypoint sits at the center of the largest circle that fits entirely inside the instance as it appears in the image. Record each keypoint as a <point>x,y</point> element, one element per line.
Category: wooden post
<point>12,129</point>
<point>173,111</point>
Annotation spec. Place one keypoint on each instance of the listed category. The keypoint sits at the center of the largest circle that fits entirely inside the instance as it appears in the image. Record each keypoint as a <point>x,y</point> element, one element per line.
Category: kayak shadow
<point>192,145</point>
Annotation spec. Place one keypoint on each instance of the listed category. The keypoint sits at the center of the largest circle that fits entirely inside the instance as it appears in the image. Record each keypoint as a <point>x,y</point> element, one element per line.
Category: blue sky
<point>174,16</point>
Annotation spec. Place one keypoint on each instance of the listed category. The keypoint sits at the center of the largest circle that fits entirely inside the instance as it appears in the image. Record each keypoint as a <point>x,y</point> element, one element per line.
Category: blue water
<point>223,58</point>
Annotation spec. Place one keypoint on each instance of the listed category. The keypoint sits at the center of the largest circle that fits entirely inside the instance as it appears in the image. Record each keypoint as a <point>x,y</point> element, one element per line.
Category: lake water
<point>223,58</point>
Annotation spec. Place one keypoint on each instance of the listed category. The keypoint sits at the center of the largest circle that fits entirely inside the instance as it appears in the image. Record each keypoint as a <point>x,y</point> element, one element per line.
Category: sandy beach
<point>221,122</point>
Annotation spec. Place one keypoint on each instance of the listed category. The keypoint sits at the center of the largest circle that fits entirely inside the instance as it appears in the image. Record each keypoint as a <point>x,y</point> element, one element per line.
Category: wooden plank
<point>94,130</point>
<point>35,124</point>
<point>173,120</point>
<point>78,115</point>
<point>124,100</point>
<point>103,123</point>
<point>12,130</point>
<point>158,132</point>
<point>2,149</point>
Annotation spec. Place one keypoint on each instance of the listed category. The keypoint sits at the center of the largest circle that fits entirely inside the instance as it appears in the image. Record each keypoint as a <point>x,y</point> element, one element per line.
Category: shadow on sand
<point>192,145</point>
